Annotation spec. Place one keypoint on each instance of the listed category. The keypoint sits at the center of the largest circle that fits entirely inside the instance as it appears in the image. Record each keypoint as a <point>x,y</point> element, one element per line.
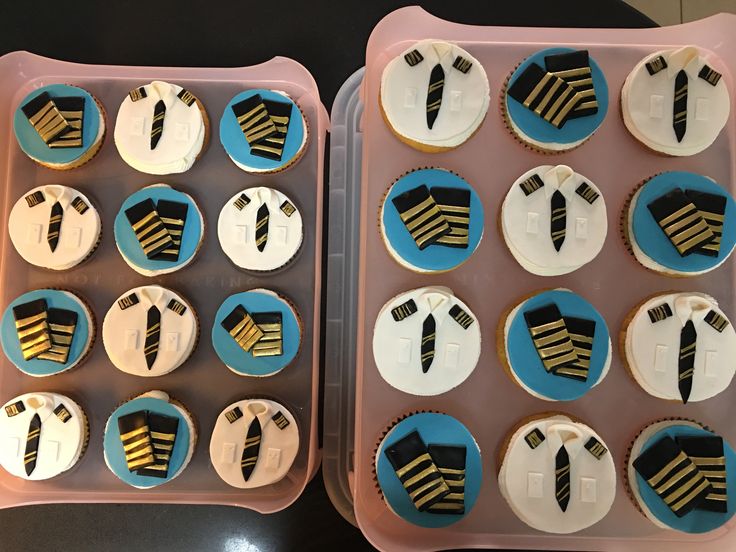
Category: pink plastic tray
<point>488,403</point>
<point>203,384</point>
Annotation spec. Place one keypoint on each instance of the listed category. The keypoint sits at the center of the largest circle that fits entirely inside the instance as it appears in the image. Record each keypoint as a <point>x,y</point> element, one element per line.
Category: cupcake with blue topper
<point>680,224</point>
<point>159,230</point>
<point>431,220</point>
<point>429,470</point>
<point>680,476</point>
<point>263,131</point>
<point>257,333</point>
<point>149,440</point>
<point>554,345</point>
<point>47,331</point>
<point>555,99</point>
<point>59,126</point>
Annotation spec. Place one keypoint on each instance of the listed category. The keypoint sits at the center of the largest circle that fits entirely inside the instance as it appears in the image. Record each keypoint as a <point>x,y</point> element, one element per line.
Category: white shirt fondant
<point>527,477</point>
<point>28,228</point>
<point>526,222</point>
<point>236,230</point>
<point>464,100</point>
<point>124,332</point>
<point>647,102</point>
<point>652,349</point>
<point>60,444</point>
<point>182,137</point>
<point>397,345</point>
<point>278,447</point>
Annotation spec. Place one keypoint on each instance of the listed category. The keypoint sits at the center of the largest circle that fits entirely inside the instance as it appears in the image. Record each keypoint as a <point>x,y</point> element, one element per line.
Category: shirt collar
<point>559,177</point>
<point>559,433</point>
<point>267,196</point>
<point>691,307</point>
<point>160,90</point>
<point>260,410</point>
<point>61,194</point>
<point>154,295</point>
<point>437,302</point>
<point>440,52</point>
<point>687,58</point>
<point>41,404</point>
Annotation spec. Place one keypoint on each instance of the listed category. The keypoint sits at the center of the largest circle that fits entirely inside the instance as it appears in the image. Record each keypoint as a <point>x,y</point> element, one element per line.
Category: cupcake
<point>159,230</point>
<point>434,95</point>
<point>555,99</point>
<point>254,443</point>
<point>676,344</point>
<point>257,332</point>
<point>539,209</point>
<point>675,102</point>
<point>426,341</point>
<point>59,126</point>
<point>554,345</point>
<point>47,331</point>
<point>260,229</point>
<point>429,469</point>
<point>54,227</point>
<point>680,224</point>
<point>43,435</point>
<point>556,473</point>
<point>678,474</point>
<point>431,220</point>
<point>149,440</point>
<point>161,129</point>
<point>150,331</point>
<point>263,131</point>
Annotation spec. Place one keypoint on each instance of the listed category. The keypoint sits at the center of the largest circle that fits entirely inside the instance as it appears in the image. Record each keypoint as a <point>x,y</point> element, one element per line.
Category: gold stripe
<point>414,463</point>
<point>654,481</point>
<point>131,434</point>
<point>430,496</point>
<point>690,496</point>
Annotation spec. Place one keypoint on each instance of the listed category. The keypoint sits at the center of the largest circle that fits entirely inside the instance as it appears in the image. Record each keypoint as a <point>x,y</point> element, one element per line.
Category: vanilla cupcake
<point>680,224</point>
<point>149,440</point>
<point>59,126</point>
<point>43,435</point>
<point>434,95</point>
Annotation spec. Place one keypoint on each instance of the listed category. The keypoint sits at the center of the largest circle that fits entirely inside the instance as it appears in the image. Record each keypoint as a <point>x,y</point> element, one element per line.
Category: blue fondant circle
<point>236,146</point>
<point>32,144</point>
<point>440,429</point>
<point>525,361</point>
<point>696,521</point>
<point>574,130</point>
<point>131,248</point>
<point>653,241</point>
<point>115,455</point>
<point>54,299</point>
<point>245,363</point>
<point>434,257</point>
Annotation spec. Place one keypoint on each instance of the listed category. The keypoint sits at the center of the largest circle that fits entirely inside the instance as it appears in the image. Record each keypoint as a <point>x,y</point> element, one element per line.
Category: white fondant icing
<point>28,227</point>
<point>173,153</point>
<point>538,508</point>
<point>656,368</point>
<point>278,447</point>
<point>550,146</point>
<point>397,345</point>
<point>464,102</point>
<point>587,224</point>
<point>61,444</point>
<point>535,485</point>
<point>655,130</point>
<point>127,354</point>
<point>236,230</point>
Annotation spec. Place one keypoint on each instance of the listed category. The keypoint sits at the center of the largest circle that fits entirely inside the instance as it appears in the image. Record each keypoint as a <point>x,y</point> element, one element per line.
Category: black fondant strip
<point>241,327</point>
<point>14,409</point>
<point>72,109</point>
<point>450,461</point>
<point>163,431</point>
<point>280,420</point>
<point>461,317</point>
<point>531,184</point>
<point>421,216</point>
<point>454,204</point>
<point>79,205</point>
<point>596,448</point>
<point>659,313</point>
<point>582,334</point>
<point>36,198</point>
<point>173,215</point>
<point>681,222</point>
<point>550,336</point>
<point>287,208</point>
<point>149,230</point>
<point>534,438</point>
<point>128,301</point>
<point>462,64</point>
<point>574,69</point>
<point>32,328</point>
<point>187,97</point>
<point>712,208</point>
<point>587,192</point>
<point>62,413</point>
<point>272,146</point>
<point>45,117</point>
<point>404,310</point>
<point>253,119</point>
<point>234,414</point>
<point>137,94</point>
<point>241,202</point>
<point>136,440</point>
<point>413,57</point>
<point>547,95</point>
<point>271,342</point>
<point>709,75</point>
<point>176,306</point>
<point>656,65</point>
<point>707,454</point>
<point>62,325</point>
<point>717,322</point>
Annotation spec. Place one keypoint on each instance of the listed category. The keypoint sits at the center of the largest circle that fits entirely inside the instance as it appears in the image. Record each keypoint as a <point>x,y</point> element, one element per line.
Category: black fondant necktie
<point>558,220</point>
<point>262,227</point>
<point>562,478</point>
<point>679,106</point>
<point>251,448</point>
<point>157,126</point>
<point>686,363</point>
<point>32,440</point>
<point>54,225</point>
<point>153,334</point>
<point>428,336</point>
<point>434,93</point>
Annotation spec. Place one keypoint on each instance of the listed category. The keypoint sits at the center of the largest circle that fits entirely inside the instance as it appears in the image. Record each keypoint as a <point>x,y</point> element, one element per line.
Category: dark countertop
<point>329,38</point>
